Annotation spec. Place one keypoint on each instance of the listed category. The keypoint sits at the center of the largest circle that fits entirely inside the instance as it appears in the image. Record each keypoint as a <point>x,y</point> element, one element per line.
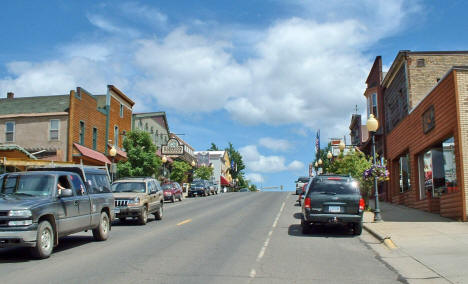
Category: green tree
<point>354,164</point>
<point>234,155</point>
<point>141,154</point>
<point>325,161</point>
<point>204,172</point>
<point>180,171</point>
<point>253,187</point>
<point>213,147</point>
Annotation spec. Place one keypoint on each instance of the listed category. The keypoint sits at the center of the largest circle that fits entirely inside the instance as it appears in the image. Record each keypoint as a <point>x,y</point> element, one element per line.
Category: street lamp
<point>193,164</point>
<point>372,126</point>
<point>342,146</point>
<point>329,157</point>
<point>164,160</point>
<point>320,165</point>
<point>112,153</point>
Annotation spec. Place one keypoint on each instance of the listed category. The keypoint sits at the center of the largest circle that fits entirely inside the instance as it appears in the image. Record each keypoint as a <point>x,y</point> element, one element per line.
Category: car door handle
<point>76,202</point>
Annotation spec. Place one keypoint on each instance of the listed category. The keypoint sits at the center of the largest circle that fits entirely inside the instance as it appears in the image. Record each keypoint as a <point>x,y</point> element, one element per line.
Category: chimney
<point>10,95</point>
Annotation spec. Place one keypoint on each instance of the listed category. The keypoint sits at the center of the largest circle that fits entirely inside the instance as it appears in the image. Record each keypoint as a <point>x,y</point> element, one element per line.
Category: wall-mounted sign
<point>172,147</point>
<point>204,159</point>
<point>428,119</point>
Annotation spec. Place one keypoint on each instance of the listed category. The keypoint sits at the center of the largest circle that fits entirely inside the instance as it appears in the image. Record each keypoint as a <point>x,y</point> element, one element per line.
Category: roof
<point>121,94</point>
<point>172,135</point>
<point>38,104</point>
<point>14,147</point>
<point>157,114</point>
<point>95,155</point>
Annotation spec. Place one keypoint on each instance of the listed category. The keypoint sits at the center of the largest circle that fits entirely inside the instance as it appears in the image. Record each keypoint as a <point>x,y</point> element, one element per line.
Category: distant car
<point>302,194</point>
<point>172,191</point>
<point>300,183</point>
<point>244,190</point>
<point>199,187</point>
<point>213,187</point>
<point>333,199</point>
<point>137,198</point>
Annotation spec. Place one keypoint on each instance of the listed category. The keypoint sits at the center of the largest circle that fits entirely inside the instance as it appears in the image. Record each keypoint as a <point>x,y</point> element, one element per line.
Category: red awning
<point>224,181</point>
<point>89,153</point>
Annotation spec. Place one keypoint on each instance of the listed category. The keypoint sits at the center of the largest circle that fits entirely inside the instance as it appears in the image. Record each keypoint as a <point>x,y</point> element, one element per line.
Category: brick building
<point>78,127</point>
<point>426,150</point>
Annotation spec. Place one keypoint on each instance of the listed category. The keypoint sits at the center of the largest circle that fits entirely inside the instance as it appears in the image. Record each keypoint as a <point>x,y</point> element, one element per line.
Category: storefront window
<point>437,170</point>
<point>450,167</point>
<point>405,173</point>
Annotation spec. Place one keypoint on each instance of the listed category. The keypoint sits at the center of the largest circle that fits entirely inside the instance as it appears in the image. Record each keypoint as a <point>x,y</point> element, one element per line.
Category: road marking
<point>260,255</point>
<point>185,222</point>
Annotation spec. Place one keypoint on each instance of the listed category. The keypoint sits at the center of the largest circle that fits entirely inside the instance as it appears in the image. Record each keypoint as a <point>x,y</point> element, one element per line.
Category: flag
<point>317,143</point>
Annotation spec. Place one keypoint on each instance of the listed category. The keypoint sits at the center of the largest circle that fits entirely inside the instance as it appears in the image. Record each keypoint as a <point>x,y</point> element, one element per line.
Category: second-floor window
<point>116,136</point>
<point>82,132</point>
<point>374,105</point>
<point>121,110</point>
<point>94,138</point>
<point>9,131</point>
<point>54,129</point>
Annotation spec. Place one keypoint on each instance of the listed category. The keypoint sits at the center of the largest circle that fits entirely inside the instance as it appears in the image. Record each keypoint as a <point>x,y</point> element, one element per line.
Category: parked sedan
<point>333,199</point>
<point>172,191</point>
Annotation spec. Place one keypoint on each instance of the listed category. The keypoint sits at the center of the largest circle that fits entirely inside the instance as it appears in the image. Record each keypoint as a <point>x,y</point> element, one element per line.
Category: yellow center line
<point>184,222</point>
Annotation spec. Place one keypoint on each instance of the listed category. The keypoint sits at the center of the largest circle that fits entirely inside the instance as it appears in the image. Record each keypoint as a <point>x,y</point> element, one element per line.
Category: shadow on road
<point>297,215</point>
<point>14,255</point>
<point>321,231</point>
<point>131,222</point>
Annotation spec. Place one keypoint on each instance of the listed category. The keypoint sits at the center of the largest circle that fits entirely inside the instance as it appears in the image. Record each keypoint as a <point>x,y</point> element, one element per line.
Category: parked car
<point>333,199</point>
<point>244,190</point>
<point>300,183</point>
<point>137,198</point>
<point>302,194</point>
<point>39,207</point>
<point>172,191</point>
<point>199,188</point>
<point>213,187</point>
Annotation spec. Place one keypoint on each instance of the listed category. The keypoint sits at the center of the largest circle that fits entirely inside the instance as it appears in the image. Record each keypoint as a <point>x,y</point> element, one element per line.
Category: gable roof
<point>39,104</point>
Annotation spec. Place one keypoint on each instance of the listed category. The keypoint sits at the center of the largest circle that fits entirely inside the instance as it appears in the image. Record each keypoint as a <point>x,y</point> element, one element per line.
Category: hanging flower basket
<point>377,171</point>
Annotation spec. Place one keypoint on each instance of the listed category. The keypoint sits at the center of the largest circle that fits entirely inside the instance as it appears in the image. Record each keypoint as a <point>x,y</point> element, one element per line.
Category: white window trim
<point>121,110</point>
<point>376,114</point>
<point>14,131</point>
<point>58,130</point>
<point>116,137</point>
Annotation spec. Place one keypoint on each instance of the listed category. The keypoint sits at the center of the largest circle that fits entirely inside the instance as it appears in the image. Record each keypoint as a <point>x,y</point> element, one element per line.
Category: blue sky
<point>264,75</point>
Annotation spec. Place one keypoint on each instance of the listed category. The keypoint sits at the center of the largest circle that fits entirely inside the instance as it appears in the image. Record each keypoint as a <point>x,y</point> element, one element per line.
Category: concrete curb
<point>387,241</point>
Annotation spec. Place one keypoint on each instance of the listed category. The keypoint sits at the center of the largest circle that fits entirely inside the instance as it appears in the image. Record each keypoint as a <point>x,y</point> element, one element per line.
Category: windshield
<point>197,183</point>
<point>166,186</point>
<point>303,180</point>
<point>129,187</point>
<point>333,187</point>
<point>30,185</point>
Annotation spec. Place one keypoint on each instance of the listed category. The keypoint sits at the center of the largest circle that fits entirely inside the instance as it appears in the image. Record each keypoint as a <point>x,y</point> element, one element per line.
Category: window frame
<point>12,132</point>
<point>95,137</point>
<point>121,110</point>
<point>58,129</point>
<point>116,135</point>
<point>82,132</point>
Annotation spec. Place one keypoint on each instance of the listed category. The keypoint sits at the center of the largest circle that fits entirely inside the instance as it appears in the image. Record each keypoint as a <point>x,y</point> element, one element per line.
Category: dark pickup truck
<point>35,213</point>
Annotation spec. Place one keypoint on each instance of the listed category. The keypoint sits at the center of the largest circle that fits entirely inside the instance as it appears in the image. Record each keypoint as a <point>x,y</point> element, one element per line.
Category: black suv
<point>333,199</point>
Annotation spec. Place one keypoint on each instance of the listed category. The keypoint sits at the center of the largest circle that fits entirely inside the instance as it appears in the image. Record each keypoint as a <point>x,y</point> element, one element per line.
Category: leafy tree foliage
<point>141,153</point>
<point>234,155</point>
<point>213,147</point>
<point>204,172</point>
<point>253,187</point>
<point>180,171</point>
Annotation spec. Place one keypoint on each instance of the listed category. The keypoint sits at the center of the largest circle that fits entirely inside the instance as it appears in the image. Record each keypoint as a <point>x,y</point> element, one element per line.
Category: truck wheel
<point>143,218</point>
<point>159,214</point>
<point>101,233</point>
<point>45,240</point>
<point>357,228</point>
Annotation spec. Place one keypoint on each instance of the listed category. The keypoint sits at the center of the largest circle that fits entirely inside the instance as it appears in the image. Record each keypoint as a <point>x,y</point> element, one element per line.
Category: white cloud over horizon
<point>280,145</point>
<point>257,162</point>
<point>308,70</point>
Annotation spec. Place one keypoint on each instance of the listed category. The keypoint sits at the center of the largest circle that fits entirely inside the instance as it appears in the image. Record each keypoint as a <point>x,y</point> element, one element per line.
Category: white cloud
<point>144,13</point>
<point>275,144</point>
<point>257,162</point>
<point>254,177</point>
<point>108,26</point>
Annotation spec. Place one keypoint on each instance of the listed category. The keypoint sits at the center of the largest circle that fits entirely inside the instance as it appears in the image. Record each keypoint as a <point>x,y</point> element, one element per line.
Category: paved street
<point>228,238</point>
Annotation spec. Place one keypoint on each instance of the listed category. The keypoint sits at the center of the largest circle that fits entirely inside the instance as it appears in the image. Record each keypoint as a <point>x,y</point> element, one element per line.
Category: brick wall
<point>396,100</point>
<point>423,79</point>
<point>408,136</point>
<point>462,83</point>
<point>124,123</point>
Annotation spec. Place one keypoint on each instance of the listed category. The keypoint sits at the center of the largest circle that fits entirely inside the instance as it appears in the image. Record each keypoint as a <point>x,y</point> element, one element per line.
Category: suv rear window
<point>334,187</point>
<point>303,179</point>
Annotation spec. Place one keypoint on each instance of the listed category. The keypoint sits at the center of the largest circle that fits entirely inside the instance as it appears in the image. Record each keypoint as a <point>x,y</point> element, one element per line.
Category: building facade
<point>154,123</point>
<point>79,127</point>
<point>426,151</point>
<point>220,162</point>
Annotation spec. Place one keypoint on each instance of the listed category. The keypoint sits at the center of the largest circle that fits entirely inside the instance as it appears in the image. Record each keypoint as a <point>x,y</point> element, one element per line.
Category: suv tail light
<point>361,204</point>
<point>307,203</point>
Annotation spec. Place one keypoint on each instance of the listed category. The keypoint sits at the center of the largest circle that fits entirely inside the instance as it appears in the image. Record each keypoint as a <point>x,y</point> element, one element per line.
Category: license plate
<point>334,209</point>
<point>116,210</point>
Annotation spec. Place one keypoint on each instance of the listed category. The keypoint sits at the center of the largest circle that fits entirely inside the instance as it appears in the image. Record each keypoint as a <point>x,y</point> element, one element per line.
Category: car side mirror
<point>66,192</point>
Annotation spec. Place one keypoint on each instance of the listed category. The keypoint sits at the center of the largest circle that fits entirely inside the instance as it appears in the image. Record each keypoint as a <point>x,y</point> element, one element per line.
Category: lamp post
<point>112,153</point>
<point>342,146</point>
<point>320,164</point>
<point>164,160</point>
<point>372,126</point>
<point>329,157</point>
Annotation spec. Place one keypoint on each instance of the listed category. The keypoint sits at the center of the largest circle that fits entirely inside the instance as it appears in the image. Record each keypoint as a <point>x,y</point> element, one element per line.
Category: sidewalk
<point>439,244</point>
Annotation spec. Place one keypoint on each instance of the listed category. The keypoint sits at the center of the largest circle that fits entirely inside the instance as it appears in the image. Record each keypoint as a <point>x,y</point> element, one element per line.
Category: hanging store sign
<point>203,159</point>
<point>172,147</point>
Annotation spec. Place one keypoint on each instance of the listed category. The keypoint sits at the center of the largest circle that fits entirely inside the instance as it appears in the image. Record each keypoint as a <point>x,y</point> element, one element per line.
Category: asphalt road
<point>228,238</point>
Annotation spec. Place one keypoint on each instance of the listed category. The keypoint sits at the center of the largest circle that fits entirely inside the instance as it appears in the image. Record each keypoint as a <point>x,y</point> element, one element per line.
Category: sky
<point>263,75</point>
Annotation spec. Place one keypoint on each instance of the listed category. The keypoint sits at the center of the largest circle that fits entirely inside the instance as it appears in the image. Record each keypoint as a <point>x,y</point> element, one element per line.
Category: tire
<point>306,229</point>
<point>101,233</point>
<point>159,213</point>
<point>357,229</point>
<point>180,197</point>
<point>143,218</point>
<point>45,241</point>
<point>173,199</point>
<point>122,219</point>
